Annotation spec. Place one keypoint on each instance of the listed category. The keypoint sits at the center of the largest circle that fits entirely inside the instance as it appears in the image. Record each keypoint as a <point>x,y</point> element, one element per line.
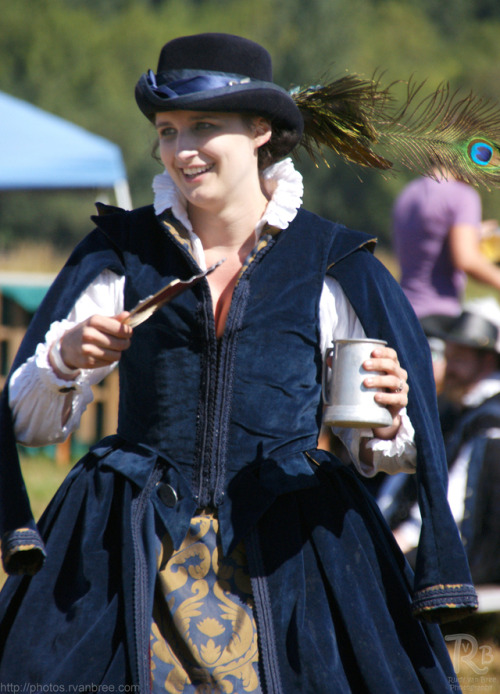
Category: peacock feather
<point>339,116</point>
<point>445,132</point>
<point>440,134</point>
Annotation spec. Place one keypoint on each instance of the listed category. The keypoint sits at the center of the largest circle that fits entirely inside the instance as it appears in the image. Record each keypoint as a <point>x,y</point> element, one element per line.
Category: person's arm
<point>391,450</point>
<point>47,402</point>
<point>466,255</point>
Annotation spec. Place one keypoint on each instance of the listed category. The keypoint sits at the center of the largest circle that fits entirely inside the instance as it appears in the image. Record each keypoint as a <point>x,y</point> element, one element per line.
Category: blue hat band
<point>193,85</point>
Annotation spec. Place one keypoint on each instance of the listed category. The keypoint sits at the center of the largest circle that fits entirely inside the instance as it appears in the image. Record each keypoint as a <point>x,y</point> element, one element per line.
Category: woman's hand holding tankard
<point>393,385</point>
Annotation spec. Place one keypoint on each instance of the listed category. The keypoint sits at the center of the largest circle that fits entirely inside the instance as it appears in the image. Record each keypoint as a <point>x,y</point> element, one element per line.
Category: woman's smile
<point>193,172</point>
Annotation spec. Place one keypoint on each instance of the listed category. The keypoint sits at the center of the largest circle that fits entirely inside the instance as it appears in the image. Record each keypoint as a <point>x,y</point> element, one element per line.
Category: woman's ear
<point>262,131</point>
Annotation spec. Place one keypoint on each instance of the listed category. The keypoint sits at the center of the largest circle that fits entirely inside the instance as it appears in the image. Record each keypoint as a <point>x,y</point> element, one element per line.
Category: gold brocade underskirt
<point>203,633</point>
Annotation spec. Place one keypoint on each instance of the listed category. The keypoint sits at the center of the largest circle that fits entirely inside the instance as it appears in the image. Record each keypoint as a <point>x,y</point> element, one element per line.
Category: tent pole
<point>122,194</point>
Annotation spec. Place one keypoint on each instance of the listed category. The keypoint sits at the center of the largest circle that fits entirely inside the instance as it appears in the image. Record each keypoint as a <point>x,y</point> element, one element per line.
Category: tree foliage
<point>80,59</point>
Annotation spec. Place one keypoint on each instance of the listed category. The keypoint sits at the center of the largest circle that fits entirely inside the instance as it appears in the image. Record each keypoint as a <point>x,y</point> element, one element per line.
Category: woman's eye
<point>203,125</point>
<point>167,132</point>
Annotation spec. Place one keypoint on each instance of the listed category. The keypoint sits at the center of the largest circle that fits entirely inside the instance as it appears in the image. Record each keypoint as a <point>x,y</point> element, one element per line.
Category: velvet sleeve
<point>22,547</point>
<point>443,586</point>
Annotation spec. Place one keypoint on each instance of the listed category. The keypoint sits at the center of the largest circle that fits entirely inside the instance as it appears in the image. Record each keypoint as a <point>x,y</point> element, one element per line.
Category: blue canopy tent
<point>42,151</point>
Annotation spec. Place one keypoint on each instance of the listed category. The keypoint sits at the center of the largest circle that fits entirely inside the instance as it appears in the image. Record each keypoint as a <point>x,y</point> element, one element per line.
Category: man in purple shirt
<point>436,238</point>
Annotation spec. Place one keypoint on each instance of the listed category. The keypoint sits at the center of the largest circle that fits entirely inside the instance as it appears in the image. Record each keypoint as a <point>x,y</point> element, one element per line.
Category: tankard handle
<point>329,352</point>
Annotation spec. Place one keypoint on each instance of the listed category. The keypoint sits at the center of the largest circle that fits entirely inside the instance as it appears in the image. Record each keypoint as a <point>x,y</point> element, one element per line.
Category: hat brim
<point>472,330</point>
<point>484,344</point>
<point>437,324</point>
<point>263,98</point>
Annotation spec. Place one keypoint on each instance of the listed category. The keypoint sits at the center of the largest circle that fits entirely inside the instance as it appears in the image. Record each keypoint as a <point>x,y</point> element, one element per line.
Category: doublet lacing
<point>215,398</point>
<point>217,360</point>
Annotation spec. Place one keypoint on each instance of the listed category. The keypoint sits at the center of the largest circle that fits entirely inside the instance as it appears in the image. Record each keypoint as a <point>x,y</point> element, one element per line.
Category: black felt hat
<point>472,330</point>
<point>437,324</point>
<point>217,72</point>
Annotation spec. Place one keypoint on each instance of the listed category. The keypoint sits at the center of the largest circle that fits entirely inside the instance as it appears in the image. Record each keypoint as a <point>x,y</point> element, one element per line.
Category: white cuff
<point>391,456</point>
<point>56,358</point>
<point>41,357</point>
<point>398,454</point>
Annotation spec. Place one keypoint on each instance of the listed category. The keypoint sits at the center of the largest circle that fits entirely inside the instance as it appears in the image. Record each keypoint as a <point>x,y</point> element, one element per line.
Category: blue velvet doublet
<point>231,425</point>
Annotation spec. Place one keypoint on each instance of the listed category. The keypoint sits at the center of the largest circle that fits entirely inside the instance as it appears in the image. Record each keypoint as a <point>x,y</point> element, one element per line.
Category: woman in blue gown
<point>209,546</point>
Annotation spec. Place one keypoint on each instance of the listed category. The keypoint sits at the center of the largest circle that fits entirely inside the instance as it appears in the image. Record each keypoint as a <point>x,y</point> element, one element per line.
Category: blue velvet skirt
<point>321,577</point>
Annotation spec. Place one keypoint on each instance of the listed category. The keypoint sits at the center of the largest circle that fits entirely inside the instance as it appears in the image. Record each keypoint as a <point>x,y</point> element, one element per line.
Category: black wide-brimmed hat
<point>473,330</point>
<point>217,72</point>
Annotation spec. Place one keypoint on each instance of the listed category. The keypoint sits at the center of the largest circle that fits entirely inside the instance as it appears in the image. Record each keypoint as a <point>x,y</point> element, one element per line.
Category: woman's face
<point>212,157</point>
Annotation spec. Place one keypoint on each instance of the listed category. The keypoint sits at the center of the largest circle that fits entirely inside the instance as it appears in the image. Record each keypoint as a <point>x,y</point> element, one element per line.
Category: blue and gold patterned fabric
<point>203,634</point>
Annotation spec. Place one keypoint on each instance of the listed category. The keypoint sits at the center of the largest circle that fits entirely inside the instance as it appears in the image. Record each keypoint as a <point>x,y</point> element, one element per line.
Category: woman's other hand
<point>392,382</point>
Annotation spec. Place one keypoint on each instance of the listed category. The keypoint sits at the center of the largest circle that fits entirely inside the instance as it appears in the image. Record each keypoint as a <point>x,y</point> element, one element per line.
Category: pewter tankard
<point>348,402</point>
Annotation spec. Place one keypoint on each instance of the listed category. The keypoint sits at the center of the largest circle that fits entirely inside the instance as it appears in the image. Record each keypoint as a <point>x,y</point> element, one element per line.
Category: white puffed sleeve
<point>338,320</point>
<point>47,409</point>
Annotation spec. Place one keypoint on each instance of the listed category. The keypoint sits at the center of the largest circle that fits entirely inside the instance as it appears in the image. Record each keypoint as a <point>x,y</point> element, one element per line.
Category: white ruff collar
<point>282,182</point>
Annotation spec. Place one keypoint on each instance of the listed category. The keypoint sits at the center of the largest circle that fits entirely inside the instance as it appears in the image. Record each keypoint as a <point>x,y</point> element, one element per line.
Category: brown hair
<point>280,144</point>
